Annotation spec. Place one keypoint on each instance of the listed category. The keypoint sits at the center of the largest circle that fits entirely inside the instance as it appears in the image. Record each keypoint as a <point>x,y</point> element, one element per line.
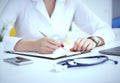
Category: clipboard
<point>46,56</point>
<point>111,51</point>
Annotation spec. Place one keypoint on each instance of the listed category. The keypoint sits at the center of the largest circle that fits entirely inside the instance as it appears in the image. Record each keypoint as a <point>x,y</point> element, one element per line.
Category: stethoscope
<point>75,62</point>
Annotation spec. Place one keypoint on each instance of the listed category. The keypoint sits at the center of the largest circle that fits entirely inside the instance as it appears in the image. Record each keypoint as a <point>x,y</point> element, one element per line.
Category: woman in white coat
<point>31,18</point>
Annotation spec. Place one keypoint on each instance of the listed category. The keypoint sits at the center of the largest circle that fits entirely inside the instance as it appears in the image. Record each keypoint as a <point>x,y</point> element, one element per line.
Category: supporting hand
<point>83,44</point>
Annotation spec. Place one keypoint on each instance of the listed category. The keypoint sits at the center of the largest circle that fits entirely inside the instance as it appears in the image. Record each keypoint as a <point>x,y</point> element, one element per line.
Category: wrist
<point>98,40</point>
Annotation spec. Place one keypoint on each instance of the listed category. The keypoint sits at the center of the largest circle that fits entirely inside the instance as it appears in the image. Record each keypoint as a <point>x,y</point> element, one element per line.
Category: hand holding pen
<point>47,45</point>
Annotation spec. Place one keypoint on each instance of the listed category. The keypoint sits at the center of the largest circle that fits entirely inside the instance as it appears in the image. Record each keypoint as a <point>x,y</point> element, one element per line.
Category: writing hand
<point>46,45</point>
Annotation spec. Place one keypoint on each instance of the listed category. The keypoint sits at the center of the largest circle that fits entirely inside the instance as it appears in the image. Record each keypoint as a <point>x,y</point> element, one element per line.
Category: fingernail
<point>62,45</point>
<point>73,50</point>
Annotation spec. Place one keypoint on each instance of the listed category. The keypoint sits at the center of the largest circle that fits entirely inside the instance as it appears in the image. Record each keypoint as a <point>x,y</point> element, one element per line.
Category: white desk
<point>40,71</point>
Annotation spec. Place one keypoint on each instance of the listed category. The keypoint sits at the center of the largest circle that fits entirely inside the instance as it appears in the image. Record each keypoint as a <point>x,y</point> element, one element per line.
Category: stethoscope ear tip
<point>116,62</point>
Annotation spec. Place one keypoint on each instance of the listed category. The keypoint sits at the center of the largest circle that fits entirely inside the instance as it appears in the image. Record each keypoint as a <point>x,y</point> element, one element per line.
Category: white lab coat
<point>30,17</point>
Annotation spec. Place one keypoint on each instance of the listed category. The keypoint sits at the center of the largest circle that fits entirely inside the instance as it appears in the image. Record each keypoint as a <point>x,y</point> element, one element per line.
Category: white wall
<point>2,4</point>
<point>103,9</point>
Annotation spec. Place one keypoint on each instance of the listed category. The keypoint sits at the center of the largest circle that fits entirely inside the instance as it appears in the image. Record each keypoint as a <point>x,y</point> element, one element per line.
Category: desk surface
<point>40,71</point>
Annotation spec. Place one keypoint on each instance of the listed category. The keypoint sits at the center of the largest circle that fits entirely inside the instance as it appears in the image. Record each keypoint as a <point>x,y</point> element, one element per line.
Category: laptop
<point>111,51</point>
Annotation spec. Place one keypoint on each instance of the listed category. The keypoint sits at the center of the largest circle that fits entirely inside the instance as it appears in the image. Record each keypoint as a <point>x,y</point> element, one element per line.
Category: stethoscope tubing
<point>66,62</point>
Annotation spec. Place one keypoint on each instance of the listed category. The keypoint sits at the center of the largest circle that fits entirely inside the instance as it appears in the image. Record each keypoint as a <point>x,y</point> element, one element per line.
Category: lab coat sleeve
<point>88,22</point>
<point>7,19</point>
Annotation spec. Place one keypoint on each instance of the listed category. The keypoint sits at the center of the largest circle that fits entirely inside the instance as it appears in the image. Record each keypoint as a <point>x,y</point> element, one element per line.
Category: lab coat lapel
<point>40,7</point>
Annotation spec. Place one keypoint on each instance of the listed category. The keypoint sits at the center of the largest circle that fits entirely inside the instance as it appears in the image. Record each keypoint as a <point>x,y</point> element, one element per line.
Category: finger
<point>90,47</point>
<point>46,47</point>
<point>54,42</point>
<point>52,46</point>
<point>75,47</point>
<point>73,50</point>
<point>85,45</point>
<point>47,50</point>
<point>81,44</point>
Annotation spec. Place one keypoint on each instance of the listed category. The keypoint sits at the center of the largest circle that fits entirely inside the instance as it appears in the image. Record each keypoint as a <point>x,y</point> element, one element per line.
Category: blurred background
<point>107,10</point>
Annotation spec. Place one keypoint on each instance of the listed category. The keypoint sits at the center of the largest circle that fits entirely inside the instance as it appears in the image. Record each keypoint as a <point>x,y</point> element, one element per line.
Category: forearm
<point>44,45</point>
<point>24,45</point>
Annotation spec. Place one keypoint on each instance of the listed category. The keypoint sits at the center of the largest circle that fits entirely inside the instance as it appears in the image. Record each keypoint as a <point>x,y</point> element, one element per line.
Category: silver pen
<point>43,34</point>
